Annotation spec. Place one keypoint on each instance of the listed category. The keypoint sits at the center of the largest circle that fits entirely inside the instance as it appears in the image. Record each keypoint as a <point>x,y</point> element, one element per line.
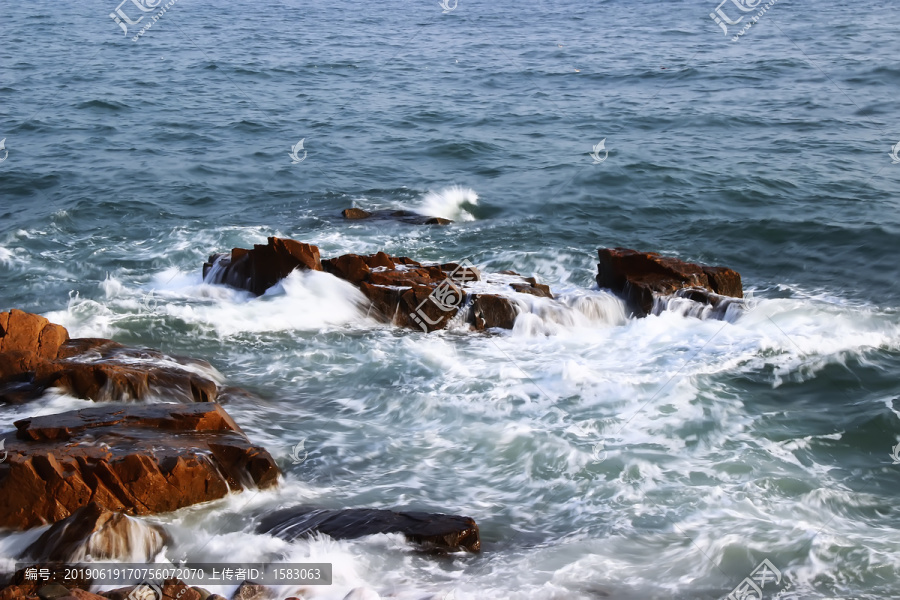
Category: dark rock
<point>203,594</point>
<point>262,267</point>
<point>355,213</point>
<point>430,531</point>
<point>102,534</point>
<point>52,591</point>
<point>138,459</point>
<point>79,594</point>
<point>403,216</point>
<point>491,310</point>
<point>172,589</point>
<point>639,277</point>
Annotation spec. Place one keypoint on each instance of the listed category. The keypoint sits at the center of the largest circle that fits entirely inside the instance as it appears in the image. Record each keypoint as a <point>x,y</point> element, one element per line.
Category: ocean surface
<point>602,456</point>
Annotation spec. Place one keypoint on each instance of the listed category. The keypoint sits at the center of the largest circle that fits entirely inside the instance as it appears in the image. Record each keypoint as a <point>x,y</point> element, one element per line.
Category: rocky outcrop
<point>640,277</point>
<point>402,291</point>
<point>137,459</point>
<point>100,534</point>
<point>404,216</point>
<point>405,292</point>
<point>260,268</point>
<point>447,533</point>
<point>36,355</point>
<point>491,310</point>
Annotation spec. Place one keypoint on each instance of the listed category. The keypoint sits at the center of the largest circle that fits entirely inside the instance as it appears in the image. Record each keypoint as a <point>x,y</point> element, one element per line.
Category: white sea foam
<point>450,203</point>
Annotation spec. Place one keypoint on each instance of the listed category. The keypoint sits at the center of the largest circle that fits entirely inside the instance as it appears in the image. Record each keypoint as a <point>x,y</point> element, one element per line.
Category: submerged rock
<point>404,216</point>
<point>260,268</point>
<point>137,459</point>
<point>429,531</point>
<point>99,533</point>
<point>641,277</point>
<point>36,355</point>
<point>171,589</point>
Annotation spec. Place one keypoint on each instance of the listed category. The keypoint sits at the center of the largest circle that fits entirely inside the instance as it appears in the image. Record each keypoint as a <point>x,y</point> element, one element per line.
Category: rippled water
<point>602,456</point>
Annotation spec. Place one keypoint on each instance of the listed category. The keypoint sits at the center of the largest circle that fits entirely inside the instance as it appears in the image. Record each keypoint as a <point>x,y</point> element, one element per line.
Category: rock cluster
<point>639,277</point>
<point>88,472</point>
<point>137,459</point>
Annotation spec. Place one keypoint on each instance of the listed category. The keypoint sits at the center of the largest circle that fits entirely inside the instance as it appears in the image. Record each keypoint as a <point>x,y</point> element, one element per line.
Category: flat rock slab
<point>136,459</point>
<point>639,277</point>
<point>431,531</point>
<point>403,216</point>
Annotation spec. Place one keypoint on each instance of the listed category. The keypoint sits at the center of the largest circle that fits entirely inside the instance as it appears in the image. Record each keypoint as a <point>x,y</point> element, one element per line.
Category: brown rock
<point>251,591</point>
<point>17,592</point>
<point>102,534</point>
<point>175,589</point>
<point>403,216</point>
<point>26,332</point>
<point>724,281</point>
<point>640,276</point>
<point>531,286</point>
<point>139,459</point>
<point>349,267</point>
<point>91,368</point>
<point>355,213</point>
<point>430,531</point>
<point>491,310</point>
<point>262,267</point>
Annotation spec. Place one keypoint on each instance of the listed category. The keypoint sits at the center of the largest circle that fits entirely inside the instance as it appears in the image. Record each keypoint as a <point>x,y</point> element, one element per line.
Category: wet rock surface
<point>403,216</point>
<point>640,277</point>
<point>102,534</point>
<point>135,459</point>
<point>408,293</point>
<point>261,267</point>
<point>36,355</point>
<point>429,531</point>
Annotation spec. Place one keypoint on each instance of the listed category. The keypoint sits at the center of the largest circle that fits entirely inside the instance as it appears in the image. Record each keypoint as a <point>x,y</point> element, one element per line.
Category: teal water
<point>656,458</point>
